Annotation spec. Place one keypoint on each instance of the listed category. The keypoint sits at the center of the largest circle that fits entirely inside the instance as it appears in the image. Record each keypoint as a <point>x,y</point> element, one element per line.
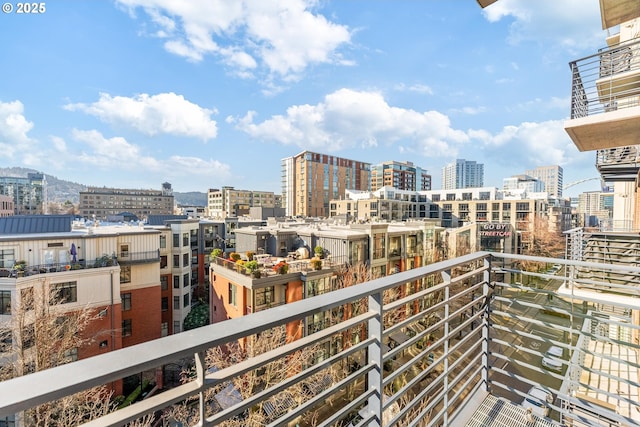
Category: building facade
<point>523,182</point>
<point>462,174</point>
<point>229,202</point>
<point>400,175</point>
<point>29,194</point>
<point>103,203</point>
<point>551,176</point>
<point>6,206</point>
<point>310,180</point>
<point>112,271</point>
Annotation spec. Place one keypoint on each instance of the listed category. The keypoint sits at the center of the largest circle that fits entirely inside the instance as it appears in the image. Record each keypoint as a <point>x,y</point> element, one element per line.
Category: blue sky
<point>132,93</point>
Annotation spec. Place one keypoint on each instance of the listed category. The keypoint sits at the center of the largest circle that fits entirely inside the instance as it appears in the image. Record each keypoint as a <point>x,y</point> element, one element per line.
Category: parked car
<point>538,400</point>
<point>552,359</point>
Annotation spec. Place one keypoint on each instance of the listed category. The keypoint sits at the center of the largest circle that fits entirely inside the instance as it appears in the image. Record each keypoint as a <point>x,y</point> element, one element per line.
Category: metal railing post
<point>201,367</point>
<point>446,277</point>
<point>374,377</point>
<point>485,321</point>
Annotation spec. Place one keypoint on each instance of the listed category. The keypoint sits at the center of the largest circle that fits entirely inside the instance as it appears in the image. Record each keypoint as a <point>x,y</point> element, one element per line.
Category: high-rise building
<point>228,201</point>
<point>310,180</point>
<point>551,176</point>
<point>103,202</point>
<point>523,182</point>
<point>399,175</point>
<point>462,174</point>
<point>29,194</point>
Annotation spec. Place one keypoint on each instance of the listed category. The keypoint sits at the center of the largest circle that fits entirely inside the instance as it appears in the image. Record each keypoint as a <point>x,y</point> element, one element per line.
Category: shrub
<point>316,263</point>
<point>319,251</point>
<point>281,267</point>
<point>250,255</point>
<point>234,256</point>
<point>217,253</point>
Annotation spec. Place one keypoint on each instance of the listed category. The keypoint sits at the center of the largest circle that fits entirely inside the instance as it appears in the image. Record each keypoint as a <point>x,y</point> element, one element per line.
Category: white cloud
<point>419,88</point>
<point>282,37</point>
<point>571,24</point>
<point>348,119</point>
<point>153,114</point>
<point>535,144</point>
<point>15,143</point>
<point>117,154</point>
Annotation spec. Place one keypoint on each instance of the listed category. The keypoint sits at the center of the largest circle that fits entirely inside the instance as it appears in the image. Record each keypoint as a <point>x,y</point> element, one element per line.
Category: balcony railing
<point>462,344</point>
<point>606,81</point>
<point>139,257</point>
<point>58,267</point>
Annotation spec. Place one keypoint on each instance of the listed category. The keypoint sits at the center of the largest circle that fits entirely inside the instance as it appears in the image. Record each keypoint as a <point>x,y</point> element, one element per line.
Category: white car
<point>552,359</point>
<point>538,400</point>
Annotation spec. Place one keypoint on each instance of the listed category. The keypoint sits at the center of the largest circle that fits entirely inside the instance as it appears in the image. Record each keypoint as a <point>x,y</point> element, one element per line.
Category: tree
<point>40,335</point>
<point>542,240</point>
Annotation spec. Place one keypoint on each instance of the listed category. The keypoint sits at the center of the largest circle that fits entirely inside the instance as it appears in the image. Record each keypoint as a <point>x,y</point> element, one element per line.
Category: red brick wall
<point>145,315</point>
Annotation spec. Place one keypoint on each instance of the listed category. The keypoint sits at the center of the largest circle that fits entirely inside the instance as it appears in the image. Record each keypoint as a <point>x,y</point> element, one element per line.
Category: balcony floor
<point>498,412</point>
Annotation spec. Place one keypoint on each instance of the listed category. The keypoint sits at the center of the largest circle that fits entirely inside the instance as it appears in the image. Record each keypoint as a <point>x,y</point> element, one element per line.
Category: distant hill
<point>191,198</point>
<point>59,190</point>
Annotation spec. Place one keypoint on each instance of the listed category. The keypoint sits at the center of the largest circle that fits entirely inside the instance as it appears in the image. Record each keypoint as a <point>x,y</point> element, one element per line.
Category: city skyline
<point>120,95</point>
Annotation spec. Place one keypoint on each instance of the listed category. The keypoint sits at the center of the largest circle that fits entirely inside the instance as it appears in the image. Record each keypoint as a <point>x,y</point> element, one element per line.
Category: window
<point>176,282</point>
<point>185,239</point>
<point>466,196</point>
<point>485,195</point>
<point>163,261</point>
<point>176,261</point>
<point>185,260</point>
<point>125,274</point>
<point>126,328</point>
<point>506,206</point>
<point>176,326</point>
<point>185,300</point>
<point>522,206</point>
<point>7,258</point>
<point>164,329</point>
<point>64,293</point>
<point>495,206</point>
<point>481,207</point>
<point>185,280</point>
<point>447,207</point>
<point>451,196</point>
<point>5,302</point>
<point>124,251</point>
<point>103,344</point>
<point>163,242</point>
<point>176,303</point>
<point>126,301</point>
<point>435,198</point>
<point>70,355</point>
<point>233,295</point>
<point>265,296</point>
<point>176,240</point>
<point>164,304</point>
<point>164,283</point>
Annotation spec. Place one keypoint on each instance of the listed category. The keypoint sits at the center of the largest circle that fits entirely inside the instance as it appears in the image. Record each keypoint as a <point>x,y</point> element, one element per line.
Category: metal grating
<point>498,412</point>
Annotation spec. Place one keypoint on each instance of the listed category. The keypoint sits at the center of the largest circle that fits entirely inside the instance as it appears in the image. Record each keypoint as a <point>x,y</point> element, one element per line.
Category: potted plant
<point>216,253</point>
<point>253,268</point>
<point>240,265</point>
<point>281,268</point>
<point>20,265</point>
<point>234,256</point>
<point>316,263</point>
<point>319,251</point>
<point>250,255</point>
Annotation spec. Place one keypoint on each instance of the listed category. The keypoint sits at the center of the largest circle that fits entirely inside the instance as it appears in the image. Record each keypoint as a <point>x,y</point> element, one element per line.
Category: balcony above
<point>615,12</point>
<point>605,98</point>
<point>619,164</point>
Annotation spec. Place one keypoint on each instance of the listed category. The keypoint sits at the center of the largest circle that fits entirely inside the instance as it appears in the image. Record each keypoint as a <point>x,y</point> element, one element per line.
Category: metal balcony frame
<point>466,369</point>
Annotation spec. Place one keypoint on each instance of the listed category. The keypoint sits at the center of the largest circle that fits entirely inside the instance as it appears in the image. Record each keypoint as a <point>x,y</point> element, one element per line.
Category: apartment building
<point>387,248</point>
<point>6,206</point>
<point>551,176</point>
<point>229,202</point>
<point>104,203</point>
<point>462,174</point>
<point>400,175</point>
<point>523,182</point>
<point>29,194</point>
<point>310,180</point>
<point>112,270</point>
<point>595,208</point>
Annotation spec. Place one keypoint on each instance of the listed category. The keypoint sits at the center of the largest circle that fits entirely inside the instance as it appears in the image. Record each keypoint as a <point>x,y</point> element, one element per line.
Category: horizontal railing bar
<point>349,407</point>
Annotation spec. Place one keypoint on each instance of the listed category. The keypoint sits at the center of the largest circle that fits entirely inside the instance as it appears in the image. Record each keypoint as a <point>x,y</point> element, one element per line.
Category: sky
<point>211,93</point>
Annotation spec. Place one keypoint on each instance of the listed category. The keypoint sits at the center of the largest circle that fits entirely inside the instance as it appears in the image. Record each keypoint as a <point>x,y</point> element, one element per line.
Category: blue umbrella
<point>73,252</point>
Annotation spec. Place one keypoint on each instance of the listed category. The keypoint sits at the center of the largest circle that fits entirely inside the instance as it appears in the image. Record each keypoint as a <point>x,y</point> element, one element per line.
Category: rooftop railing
<point>418,347</point>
